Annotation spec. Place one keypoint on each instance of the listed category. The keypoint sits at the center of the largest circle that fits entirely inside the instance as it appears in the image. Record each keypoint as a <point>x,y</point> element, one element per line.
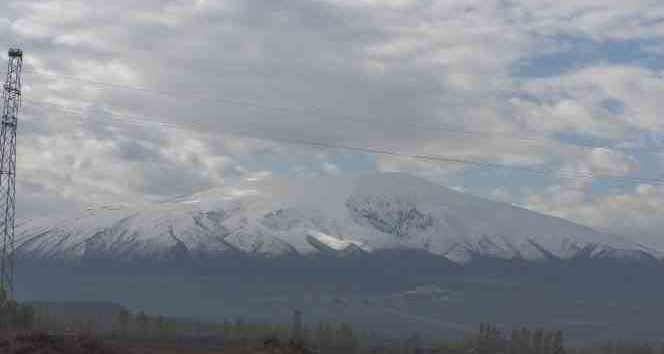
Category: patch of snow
<point>337,243</point>
<point>356,212</point>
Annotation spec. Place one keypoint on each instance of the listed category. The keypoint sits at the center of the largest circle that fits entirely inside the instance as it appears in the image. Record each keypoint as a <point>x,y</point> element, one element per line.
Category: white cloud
<point>501,194</point>
<point>601,161</point>
<point>392,75</point>
<point>599,20</point>
<point>330,168</point>
<point>634,213</point>
<point>578,98</point>
<point>377,4</point>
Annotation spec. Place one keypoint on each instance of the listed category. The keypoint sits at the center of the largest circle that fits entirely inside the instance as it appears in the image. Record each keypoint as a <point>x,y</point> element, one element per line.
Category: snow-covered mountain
<point>341,215</point>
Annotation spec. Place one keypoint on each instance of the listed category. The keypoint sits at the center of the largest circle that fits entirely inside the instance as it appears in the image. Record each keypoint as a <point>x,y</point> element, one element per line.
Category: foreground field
<point>44,343</point>
<point>263,349</point>
<point>209,350</point>
<point>194,350</point>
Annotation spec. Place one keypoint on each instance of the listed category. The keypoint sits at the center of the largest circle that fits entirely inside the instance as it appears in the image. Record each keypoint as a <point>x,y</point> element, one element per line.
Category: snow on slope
<point>345,214</point>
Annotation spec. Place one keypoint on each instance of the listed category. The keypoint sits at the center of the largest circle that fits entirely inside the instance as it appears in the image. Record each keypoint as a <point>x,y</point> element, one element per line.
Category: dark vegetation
<point>35,342</point>
<point>514,293</point>
<point>35,330</point>
<point>591,300</point>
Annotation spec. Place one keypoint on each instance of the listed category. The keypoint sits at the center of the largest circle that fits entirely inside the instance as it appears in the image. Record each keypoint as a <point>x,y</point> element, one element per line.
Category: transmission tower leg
<point>12,105</point>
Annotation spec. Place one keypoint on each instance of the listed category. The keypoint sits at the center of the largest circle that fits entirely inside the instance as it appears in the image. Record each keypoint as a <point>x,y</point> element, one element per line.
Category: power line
<point>352,118</point>
<point>191,94</point>
<point>368,150</point>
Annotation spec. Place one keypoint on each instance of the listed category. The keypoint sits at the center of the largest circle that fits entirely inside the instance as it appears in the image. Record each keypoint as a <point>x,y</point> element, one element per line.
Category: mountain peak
<point>348,214</point>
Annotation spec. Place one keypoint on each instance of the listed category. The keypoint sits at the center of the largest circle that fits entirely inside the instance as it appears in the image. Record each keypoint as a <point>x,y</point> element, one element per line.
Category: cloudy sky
<point>575,87</point>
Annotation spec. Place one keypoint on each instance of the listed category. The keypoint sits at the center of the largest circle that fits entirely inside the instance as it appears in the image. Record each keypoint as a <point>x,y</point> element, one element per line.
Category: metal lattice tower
<point>12,105</point>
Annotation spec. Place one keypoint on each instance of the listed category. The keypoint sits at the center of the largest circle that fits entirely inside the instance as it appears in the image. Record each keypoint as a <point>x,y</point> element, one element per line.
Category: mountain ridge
<point>345,215</point>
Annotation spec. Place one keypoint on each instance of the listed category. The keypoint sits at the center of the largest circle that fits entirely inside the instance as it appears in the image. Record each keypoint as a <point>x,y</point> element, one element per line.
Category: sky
<point>572,87</point>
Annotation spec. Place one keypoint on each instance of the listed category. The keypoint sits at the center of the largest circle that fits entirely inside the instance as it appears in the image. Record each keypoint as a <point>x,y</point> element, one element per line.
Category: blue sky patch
<point>580,52</point>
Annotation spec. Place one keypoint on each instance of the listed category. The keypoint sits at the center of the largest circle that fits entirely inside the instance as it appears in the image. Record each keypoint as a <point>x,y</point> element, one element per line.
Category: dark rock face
<point>288,218</point>
<point>389,215</point>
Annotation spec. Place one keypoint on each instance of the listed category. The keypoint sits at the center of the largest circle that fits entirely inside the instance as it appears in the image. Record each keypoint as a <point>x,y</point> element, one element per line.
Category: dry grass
<point>284,349</point>
<point>210,350</point>
<point>43,343</point>
<point>189,350</point>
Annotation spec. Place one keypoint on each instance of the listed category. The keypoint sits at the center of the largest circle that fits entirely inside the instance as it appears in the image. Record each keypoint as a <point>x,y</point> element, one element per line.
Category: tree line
<point>14,315</point>
<point>319,337</point>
